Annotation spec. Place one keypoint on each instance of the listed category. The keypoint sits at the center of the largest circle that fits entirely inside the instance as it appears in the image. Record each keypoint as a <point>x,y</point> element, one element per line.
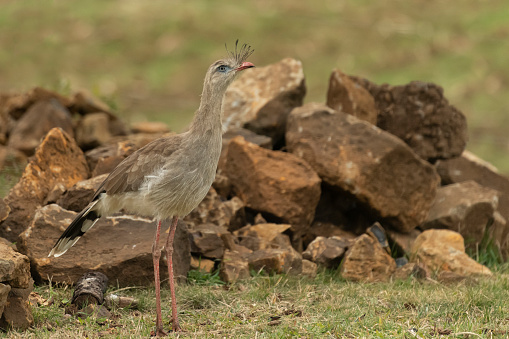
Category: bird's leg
<point>169,259</point>
<point>156,255</point>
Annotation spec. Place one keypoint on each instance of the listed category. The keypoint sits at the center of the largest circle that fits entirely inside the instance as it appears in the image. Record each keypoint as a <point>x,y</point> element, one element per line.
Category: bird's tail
<point>82,223</point>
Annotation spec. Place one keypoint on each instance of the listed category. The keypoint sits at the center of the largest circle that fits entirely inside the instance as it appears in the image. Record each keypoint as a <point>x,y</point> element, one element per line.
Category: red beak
<point>244,65</point>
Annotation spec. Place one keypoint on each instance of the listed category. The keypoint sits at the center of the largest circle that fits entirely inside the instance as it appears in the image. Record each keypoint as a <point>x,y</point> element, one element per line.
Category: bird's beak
<point>244,65</point>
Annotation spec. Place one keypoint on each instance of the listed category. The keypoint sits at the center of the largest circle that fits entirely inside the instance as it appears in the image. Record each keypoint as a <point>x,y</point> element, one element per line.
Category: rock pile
<point>369,176</point>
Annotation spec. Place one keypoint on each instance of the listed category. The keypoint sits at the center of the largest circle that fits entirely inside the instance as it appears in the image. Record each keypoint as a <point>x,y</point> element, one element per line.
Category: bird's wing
<point>130,173</point>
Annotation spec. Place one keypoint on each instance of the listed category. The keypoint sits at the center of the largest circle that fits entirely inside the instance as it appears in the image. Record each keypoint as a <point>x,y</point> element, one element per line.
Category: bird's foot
<point>159,332</point>
<point>176,327</point>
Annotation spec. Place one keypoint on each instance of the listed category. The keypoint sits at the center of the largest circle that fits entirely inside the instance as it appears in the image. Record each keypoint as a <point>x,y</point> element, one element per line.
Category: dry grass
<point>284,307</point>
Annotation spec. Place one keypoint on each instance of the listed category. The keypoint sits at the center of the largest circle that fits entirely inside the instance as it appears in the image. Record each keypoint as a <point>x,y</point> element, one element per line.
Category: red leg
<point>169,259</point>
<point>156,255</point>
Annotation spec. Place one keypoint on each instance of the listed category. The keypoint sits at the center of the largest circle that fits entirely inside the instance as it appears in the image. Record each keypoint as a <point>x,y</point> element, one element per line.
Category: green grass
<point>150,56</point>
<point>285,307</point>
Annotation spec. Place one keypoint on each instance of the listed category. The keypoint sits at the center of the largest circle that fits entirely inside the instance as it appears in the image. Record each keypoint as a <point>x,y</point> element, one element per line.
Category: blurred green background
<point>148,58</point>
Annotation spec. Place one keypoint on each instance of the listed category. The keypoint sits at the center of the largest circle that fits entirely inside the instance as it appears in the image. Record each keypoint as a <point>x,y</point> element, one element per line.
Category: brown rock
<point>410,270</point>
<point>249,136</point>
<point>37,122</point>
<point>498,234</point>
<point>4,293</point>
<point>202,264</point>
<point>263,236</point>
<point>262,97</point>
<point>420,115</point>
<point>444,250</point>
<point>17,314</point>
<point>78,196</point>
<point>465,207</point>
<point>274,182</point>
<point>118,246</point>
<point>327,252</point>
<point>83,102</point>
<point>14,267</point>
<point>149,127</point>
<point>309,268</point>
<point>470,167</point>
<point>104,159</point>
<point>345,95</point>
<point>233,267</point>
<point>403,242</point>
<point>57,160</point>
<point>16,105</point>
<point>383,174</point>
<point>206,240</point>
<point>4,210</point>
<point>222,184</point>
<point>93,130</point>
<point>213,210</point>
<point>366,260</point>
<point>276,260</point>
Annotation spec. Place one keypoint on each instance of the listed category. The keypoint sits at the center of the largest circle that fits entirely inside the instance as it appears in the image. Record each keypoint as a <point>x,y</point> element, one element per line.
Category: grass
<point>295,307</point>
<point>150,56</point>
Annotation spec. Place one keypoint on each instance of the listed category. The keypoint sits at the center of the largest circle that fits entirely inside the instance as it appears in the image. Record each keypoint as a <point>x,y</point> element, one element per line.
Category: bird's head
<point>222,72</point>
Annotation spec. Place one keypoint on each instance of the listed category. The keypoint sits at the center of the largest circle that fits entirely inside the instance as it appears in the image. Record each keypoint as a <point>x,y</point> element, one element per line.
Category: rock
<point>377,232</point>
<point>149,127</point>
<point>249,136</point>
<point>309,268</point>
<point>104,159</point>
<point>274,182</point>
<point>14,267</point>
<point>498,234</point>
<point>391,183</point>
<point>57,160</point>
<point>345,95</point>
<point>78,196</point>
<point>444,250</point>
<point>402,242</point>
<point>401,261</point>
<point>470,167</point>
<point>119,246</point>
<point>233,267</point>
<point>465,207</point>
<point>276,260</point>
<point>420,115</point>
<point>37,122</point>
<point>202,264</point>
<point>263,236</point>
<point>93,130</point>
<point>11,158</point>
<point>206,240</point>
<point>83,102</point>
<point>327,230</point>
<point>4,210</point>
<point>327,252</point>
<point>213,210</point>
<point>4,293</point>
<point>55,194</point>
<point>17,314</point>
<point>262,97</point>
<point>222,184</point>
<point>16,105</point>
<point>366,260</point>
<point>410,270</point>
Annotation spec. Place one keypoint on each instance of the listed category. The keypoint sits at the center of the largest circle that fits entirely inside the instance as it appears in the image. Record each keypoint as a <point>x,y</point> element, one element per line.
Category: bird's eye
<point>222,68</point>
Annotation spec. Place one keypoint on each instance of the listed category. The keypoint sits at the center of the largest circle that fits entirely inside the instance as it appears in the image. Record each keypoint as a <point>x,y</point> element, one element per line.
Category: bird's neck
<point>209,115</point>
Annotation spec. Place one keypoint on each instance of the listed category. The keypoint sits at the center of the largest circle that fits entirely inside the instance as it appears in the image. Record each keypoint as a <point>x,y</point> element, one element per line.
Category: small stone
<point>116,301</point>
<point>103,159</point>
<point>327,252</point>
<point>4,293</point>
<point>309,268</point>
<point>4,210</point>
<point>402,242</point>
<point>262,236</point>
<point>276,261</point>
<point>14,267</point>
<point>444,250</point>
<point>17,314</point>
<point>78,196</point>
<point>206,241</point>
<point>92,130</point>
<point>410,270</point>
<point>202,264</point>
<point>366,260</point>
<point>233,267</point>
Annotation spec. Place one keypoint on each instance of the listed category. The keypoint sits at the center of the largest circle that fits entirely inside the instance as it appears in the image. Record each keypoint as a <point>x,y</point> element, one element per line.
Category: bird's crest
<point>239,55</point>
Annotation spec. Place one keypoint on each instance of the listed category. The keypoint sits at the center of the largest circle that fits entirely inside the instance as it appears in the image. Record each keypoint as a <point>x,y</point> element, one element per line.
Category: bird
<point>168,177</point>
